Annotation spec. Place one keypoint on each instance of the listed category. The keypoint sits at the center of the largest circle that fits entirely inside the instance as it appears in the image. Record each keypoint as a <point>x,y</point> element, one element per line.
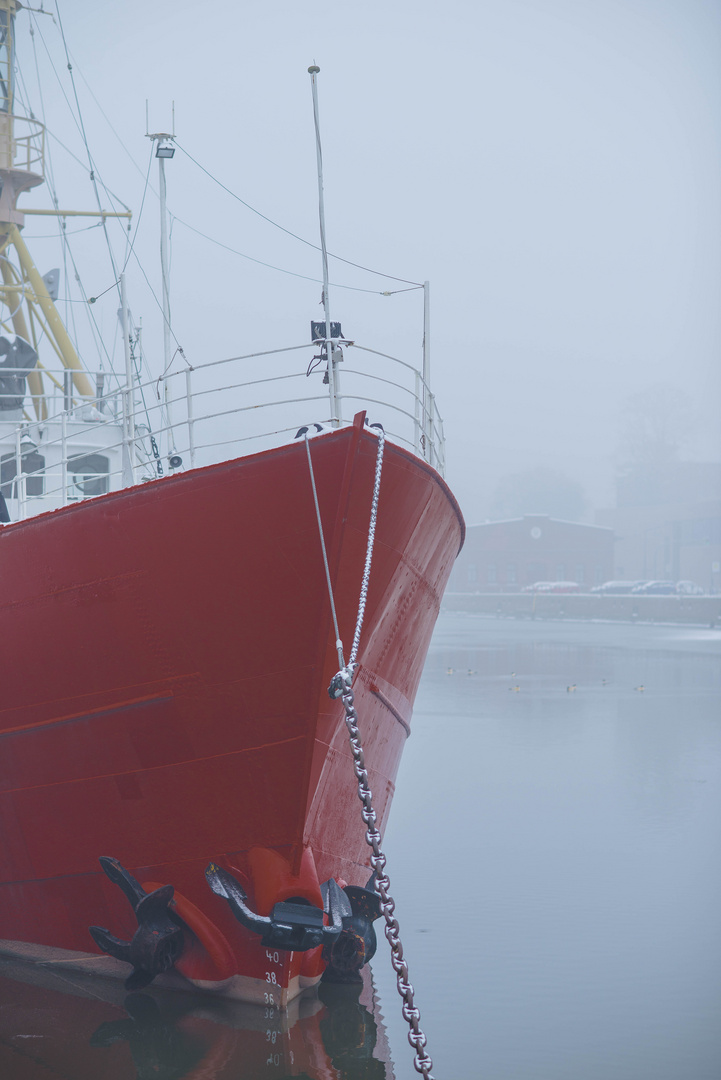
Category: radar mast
<point>22,288</point>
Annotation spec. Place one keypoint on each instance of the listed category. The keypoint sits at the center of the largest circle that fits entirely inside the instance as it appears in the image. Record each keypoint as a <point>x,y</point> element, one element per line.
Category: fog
<point>550,166</point>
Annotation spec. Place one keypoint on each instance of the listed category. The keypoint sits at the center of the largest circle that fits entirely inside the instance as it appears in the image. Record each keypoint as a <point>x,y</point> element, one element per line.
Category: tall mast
<point>163,151</point>
<point>330,351</point>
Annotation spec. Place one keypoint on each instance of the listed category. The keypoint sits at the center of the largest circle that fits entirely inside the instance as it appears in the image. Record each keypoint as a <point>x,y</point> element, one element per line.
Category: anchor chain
<point>341,686</point>
<point>411,1014</point>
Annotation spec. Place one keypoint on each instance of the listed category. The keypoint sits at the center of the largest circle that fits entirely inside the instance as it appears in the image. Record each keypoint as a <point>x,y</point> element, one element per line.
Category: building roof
<point>542,517</point>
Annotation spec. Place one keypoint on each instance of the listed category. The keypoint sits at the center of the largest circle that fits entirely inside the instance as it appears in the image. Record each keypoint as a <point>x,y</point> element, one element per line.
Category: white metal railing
<point>198,416</point>
<point>29,139</point>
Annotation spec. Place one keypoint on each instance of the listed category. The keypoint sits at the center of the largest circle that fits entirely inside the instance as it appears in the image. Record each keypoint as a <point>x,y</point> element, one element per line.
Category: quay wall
<point>698,610</point>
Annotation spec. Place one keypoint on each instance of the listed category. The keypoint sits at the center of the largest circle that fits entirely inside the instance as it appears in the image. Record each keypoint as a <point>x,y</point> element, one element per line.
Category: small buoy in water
<point>471,672</point>
<point>641,688</point>
<point>571,688</point>
<point>603,682</point>
<point>516,688</point>
<point>449,671</point>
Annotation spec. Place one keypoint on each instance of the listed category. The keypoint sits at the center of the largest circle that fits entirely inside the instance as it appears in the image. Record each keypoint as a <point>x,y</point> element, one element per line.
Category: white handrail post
<point>427,419</point>
<point>128,394</point>
<point>189,399</point>
<point>64,452</point>
<point>417,442</point>
<point>18,475</point>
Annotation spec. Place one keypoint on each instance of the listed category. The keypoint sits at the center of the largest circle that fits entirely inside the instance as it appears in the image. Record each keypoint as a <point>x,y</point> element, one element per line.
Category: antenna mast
<point>330,348</point>
<point>164,150</point>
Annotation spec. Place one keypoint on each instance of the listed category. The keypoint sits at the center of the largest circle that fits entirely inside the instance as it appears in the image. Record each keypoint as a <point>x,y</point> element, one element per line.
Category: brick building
<point>503,556</point>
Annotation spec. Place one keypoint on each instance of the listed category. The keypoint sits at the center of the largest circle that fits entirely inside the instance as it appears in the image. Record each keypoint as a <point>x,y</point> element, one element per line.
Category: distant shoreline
<point>687,610</point>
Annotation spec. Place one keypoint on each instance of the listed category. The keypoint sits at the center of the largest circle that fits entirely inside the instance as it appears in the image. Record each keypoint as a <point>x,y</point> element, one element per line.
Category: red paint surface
<point>166,654</point>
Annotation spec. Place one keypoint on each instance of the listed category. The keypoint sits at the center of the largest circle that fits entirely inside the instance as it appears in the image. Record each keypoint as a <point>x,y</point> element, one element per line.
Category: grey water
<point>554,853</point>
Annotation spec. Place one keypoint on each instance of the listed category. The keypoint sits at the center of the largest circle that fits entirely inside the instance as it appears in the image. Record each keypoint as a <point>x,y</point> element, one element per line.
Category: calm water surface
<point>554,852</point>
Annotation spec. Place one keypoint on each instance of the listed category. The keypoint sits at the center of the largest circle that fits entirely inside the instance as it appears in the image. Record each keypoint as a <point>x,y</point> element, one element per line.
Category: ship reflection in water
<point>79,1028</point>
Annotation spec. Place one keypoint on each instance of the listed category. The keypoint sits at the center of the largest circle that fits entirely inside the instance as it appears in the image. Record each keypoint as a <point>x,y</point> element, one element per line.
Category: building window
<point>580,574</point>
<point>32,465</point>
<point>561,572</point>
<point>472,576</point>
<point>511,573</point>
<point>492,574</point>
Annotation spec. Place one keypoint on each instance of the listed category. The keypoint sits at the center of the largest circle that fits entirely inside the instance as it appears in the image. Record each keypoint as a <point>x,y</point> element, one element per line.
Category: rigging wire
<point>108,122</point>
<point>390,277</point>
<point>69,313</point>
<point>130,244</point>
<point>140,212</point>
<point>92,171</point>
<point>84,137</point>
<point>291,273</point>
<point>97,196</point>
<point>65,245</point>
<point>94,178</point>
<point>69,232</point>
<point>111,194</point>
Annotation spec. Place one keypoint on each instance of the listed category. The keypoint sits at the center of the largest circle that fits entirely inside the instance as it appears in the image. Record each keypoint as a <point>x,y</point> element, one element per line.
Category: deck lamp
<point>164,151</point>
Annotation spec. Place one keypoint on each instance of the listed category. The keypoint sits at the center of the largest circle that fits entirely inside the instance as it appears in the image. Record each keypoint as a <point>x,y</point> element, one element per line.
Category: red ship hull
<point>167,653</point>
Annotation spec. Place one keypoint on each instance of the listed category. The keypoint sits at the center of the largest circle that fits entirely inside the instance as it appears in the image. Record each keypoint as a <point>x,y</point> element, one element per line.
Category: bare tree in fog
<point>539,491</point>
<point>657,424</point>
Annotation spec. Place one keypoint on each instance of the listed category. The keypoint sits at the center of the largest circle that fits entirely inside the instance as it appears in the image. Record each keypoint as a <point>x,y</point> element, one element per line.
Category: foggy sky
<point>551,166</point>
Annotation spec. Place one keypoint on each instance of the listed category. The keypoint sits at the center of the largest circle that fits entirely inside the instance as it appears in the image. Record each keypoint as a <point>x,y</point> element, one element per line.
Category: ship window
<point>90,475</point>
<point>33,466</point>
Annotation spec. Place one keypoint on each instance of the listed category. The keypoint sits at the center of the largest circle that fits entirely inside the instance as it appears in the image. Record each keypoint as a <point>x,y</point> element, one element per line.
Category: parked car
<point>615,588</point>
<point>688,588</point>
<point>655,588</point>
<point>538,586</point>
<point>564,587</point>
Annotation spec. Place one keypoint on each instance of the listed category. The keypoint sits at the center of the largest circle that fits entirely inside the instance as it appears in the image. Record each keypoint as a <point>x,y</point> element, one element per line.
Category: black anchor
<point>357,942</point>
<point>295,927</point>
<point>157,943</point>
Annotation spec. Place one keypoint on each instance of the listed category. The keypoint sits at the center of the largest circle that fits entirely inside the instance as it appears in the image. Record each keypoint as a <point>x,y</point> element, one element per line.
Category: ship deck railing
<point>60,448</point>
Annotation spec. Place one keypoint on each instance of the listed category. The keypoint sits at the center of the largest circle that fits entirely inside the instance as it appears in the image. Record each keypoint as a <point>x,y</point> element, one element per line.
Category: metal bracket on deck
<point>292,926</point>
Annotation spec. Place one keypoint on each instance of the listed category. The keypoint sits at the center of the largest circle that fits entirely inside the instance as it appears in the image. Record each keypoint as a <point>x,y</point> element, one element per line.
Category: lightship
<point>169,638</point>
